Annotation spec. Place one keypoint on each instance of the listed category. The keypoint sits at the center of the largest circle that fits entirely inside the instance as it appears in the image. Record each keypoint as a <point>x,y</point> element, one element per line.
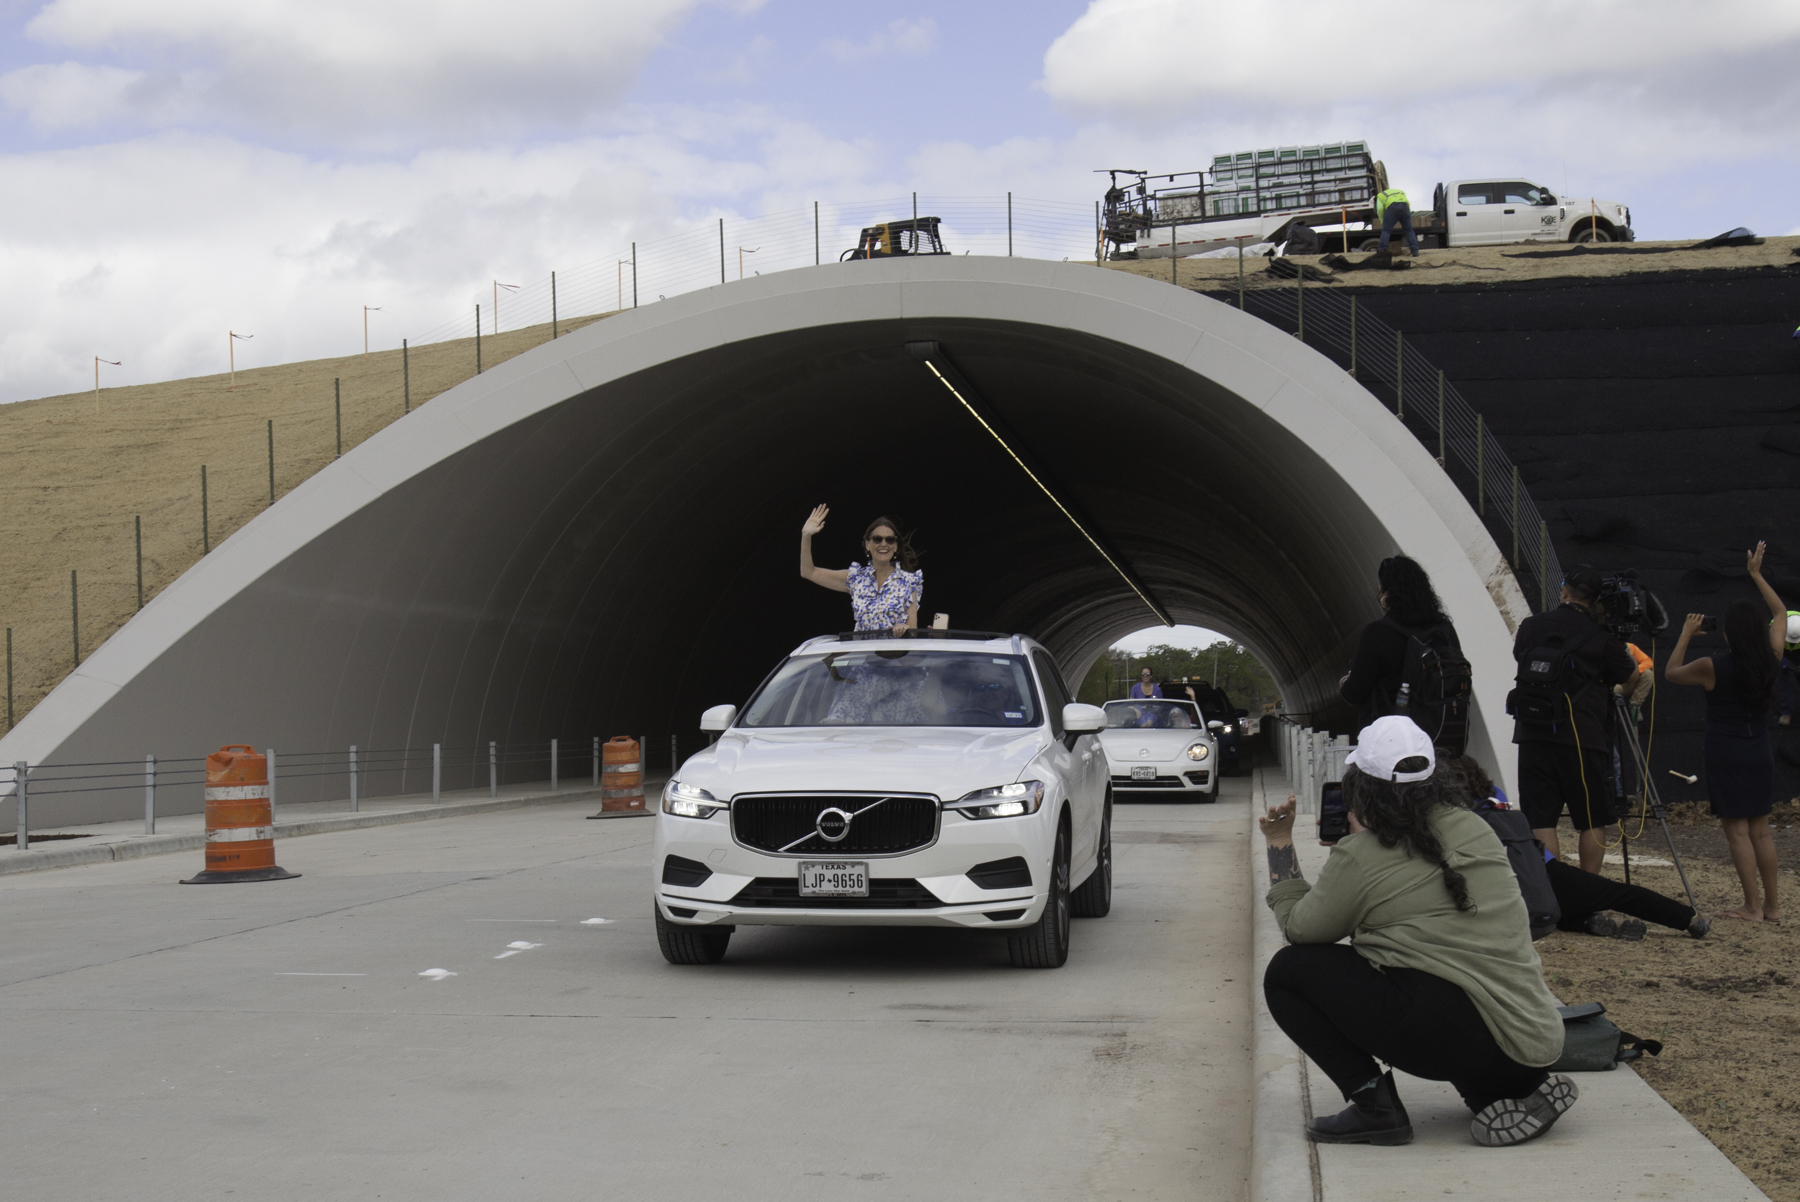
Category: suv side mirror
<point>719,717</point>
<point>1079,719</point>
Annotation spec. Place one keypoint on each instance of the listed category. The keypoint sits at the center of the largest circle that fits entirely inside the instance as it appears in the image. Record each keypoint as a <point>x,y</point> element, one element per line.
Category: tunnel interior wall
<point>1655,419</point>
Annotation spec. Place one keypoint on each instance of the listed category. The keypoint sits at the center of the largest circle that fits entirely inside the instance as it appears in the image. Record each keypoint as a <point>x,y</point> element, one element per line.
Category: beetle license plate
<point>833,878</point>
<point>1147,772</point>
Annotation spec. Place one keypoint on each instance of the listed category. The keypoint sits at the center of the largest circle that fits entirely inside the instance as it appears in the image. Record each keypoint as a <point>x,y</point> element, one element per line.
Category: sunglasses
<point>884,538</point>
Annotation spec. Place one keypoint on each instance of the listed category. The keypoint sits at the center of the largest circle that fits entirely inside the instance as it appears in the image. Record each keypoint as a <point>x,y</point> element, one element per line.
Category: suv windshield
<point>897,688</point>
<point>1150,715</point>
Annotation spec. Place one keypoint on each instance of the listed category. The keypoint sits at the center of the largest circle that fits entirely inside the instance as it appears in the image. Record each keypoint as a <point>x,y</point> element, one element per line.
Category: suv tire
<point>1094,898</point>
<point>1045,944</point>
<point>691,945</point>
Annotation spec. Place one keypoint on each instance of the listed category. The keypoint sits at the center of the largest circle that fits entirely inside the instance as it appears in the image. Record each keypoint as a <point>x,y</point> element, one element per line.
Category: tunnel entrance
<point>599,536</point>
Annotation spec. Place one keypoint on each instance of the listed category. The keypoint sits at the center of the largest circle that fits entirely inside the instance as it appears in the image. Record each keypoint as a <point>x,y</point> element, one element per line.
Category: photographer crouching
<point>1440,979</point>
<point>1563,717</point>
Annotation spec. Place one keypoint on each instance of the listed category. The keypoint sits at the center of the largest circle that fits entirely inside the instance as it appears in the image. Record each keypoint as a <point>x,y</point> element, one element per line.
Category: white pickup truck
<point>1484,212</point>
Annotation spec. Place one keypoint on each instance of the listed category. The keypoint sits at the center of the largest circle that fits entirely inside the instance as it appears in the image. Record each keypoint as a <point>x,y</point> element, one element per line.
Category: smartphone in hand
<point>1334,814</point>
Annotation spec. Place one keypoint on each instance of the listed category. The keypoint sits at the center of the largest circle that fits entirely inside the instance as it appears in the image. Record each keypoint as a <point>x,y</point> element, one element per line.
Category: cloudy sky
<point>180,168</point>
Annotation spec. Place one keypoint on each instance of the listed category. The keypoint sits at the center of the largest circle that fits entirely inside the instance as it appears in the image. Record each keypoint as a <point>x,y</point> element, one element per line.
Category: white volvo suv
<point>941,779</point>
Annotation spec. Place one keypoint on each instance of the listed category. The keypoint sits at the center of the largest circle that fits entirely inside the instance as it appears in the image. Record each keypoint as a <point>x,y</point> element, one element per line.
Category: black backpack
<point>1527,860</point>
<point>1437,682</point>
<point>1549,680</point>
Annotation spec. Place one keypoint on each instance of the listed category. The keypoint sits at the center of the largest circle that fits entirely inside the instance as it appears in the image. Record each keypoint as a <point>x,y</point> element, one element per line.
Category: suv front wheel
<point>1045,944</point>
<point>690,945</point>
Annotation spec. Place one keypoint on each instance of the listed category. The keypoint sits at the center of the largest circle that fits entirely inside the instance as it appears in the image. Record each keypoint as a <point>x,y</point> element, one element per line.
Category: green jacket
<point>1399,915</point>
<point>1384,199</point>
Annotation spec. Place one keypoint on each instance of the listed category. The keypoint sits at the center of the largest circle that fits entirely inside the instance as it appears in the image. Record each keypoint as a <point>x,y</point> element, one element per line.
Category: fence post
<point>75,616</point>
<point>1400,375</point>
<point>553,304</point>
<point>271,461</point>
<point>1240,275</point>
<point>205,525</point>
<point>553,755</point>
<point>1009,225</point>
<point>354,801</point>
<point>138,524</point>
<point>721,250</point>
<point>1442,462</point>
<point>634,275</point>
<point>337,409</point>
<point>1543,565</point>
<point>269,755</point>
<point>1352,333</point>
<point>597,737</point>
<point>149,795</point>
<point>21,787</point>
<point>437,772</point>
<point>815,264</point>
<point>1480,465</point>
<point>405,377</point>
<point>493,770</point>
<point>9,681</point>
<point>1515,516</point>
<point>674,753</point>
<point>1174,254</point>
<point>478,339</point>
<point>1300,301</point>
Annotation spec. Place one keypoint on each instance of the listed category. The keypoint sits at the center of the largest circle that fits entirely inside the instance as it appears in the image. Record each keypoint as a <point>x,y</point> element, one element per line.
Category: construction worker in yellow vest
<point>1391,209</point>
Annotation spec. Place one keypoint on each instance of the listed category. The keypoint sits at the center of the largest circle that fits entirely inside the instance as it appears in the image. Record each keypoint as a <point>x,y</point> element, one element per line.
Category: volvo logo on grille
<point>832,824</point>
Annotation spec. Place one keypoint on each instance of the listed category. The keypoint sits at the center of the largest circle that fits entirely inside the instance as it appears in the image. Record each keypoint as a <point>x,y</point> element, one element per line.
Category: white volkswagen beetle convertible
<point>1160,747</point>
<point>941,779</point>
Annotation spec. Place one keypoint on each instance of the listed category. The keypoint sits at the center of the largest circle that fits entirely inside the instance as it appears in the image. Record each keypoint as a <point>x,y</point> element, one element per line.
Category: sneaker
<point>1631,930</point>
<point>1514,1120</point>
<point>1699,926</point>
<point>1601,923</point>
<point>1374,1116</point>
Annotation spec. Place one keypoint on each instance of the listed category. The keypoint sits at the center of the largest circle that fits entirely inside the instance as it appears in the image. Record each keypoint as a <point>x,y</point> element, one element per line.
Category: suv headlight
<point>1002,801</point>
<point>689,801</point>
<point>1199,751</point>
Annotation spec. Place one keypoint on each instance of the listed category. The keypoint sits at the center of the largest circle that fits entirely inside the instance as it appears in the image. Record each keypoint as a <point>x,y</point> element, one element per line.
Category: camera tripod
<point>1649,801</point>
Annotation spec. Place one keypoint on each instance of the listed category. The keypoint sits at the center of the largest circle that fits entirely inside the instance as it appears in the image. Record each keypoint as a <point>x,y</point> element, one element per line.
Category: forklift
<point>893,239</point>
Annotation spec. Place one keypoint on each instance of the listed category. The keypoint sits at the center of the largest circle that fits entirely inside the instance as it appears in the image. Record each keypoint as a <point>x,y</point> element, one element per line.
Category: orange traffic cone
<point>240,830</point>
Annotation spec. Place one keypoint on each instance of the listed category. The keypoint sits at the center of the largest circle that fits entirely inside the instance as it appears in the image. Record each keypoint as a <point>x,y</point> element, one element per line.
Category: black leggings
<point>1345,1013</point>
<point>1581,895</point>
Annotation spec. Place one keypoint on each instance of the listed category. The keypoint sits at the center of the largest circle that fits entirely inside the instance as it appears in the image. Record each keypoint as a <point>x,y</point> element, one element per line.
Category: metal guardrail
<point>1310,758</point>
<point>1424,400</point>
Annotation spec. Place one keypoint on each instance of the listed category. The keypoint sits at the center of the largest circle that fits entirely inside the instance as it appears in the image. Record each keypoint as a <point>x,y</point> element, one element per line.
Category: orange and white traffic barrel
<point>621,776</point>
<point>240,827</point>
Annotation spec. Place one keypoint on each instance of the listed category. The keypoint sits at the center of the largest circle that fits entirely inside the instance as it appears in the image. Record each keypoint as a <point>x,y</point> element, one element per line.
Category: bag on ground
<point>1593,1043</point>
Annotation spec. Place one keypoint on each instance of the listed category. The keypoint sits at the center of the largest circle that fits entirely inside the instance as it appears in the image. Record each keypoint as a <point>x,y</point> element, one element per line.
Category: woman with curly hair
<point>885,591</point>
<point>1440,979</point>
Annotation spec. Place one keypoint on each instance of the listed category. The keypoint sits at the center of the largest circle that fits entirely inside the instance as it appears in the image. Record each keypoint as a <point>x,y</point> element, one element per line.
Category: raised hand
<point>1754,560</point>
<point>1278,826</point>
<point>1691,627</point>
<point>816,522</point>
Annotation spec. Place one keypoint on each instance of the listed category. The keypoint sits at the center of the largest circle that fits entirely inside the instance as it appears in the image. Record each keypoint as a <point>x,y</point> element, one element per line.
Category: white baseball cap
<point>1384,742</point>
<point>1793,630</point>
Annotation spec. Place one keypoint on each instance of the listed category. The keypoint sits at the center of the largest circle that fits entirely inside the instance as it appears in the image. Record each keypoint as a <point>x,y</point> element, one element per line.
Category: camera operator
<point>1411,607</point>
<point>1563,716</point>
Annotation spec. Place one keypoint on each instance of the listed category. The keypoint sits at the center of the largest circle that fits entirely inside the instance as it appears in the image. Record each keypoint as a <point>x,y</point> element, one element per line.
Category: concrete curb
<point>1284,1164</point>
<point>138,848</point>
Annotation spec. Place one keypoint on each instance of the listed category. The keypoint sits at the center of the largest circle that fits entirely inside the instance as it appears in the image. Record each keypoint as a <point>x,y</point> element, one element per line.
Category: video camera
<point>1626,608</point>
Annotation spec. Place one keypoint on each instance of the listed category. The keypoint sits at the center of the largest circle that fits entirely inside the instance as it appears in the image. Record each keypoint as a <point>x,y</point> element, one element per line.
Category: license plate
<point>833,878</point>
<point>1144,773</point>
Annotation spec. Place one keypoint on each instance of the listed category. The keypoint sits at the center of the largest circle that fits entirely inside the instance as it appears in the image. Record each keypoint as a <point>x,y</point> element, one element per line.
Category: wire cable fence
<point>1424,400</point>
<point>351,775</point>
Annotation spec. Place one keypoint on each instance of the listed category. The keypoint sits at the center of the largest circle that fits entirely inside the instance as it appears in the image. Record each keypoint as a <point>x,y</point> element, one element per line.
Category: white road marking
<point>515,947</point>
<point>321,974</point>
<point>437,974</point>
<point>511,920</point>
<point>595,922</point>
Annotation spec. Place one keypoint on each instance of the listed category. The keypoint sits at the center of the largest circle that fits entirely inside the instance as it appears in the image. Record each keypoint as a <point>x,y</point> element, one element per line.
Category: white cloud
<point>61,95</point>
<point>1122,55</point>
<point>378,72</point>
<point>903,37</point>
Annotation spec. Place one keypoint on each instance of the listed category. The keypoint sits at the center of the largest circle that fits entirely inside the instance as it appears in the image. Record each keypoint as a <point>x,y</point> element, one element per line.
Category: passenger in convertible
<point>884,591</point>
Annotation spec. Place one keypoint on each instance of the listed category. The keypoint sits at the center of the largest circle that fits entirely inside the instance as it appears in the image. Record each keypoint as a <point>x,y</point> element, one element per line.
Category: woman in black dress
<point>1740,764</point>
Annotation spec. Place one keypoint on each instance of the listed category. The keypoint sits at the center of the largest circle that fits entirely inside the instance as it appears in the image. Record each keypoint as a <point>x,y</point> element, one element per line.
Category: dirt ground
<point>1723,1006</point>
<point>1490,264</point>
<point>75,480</point>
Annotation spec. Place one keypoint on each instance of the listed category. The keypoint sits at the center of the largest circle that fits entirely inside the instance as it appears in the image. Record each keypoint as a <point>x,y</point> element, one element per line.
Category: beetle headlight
<point>689,801</point>
<point>1198,752</point>
<point>1001,801</point>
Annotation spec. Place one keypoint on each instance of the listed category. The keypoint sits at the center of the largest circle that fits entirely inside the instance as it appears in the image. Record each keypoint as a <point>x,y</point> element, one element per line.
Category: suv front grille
<point>783,892</point>
<point>771,822</point>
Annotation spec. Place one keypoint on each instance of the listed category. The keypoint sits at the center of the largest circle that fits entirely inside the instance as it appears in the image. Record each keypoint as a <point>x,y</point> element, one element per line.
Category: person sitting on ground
<point>1739,756</point>
<point>1145,688</point>
<point>1583,897</point>
<point>885,591</point>
<point>1440,979</point>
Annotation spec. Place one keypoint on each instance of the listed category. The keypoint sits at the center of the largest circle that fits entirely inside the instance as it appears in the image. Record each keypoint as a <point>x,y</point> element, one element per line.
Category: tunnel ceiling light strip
<point>1125,574</point>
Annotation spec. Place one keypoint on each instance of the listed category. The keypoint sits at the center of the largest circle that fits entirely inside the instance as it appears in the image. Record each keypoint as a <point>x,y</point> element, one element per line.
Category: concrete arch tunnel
<point>598,536</point>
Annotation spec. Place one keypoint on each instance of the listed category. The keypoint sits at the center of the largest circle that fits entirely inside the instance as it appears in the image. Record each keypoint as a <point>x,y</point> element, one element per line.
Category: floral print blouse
<point>883,606</point>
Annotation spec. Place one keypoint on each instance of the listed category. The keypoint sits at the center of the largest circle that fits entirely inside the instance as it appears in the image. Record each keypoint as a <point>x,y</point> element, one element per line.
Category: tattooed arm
<point>1278,832</point>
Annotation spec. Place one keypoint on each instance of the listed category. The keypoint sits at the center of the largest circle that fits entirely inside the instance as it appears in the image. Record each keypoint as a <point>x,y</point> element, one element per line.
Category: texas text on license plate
<point>1144,773</point>
<point>833,878</point>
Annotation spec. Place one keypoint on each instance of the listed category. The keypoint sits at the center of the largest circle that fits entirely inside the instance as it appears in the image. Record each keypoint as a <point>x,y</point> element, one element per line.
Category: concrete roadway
<point>276,1040</point>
